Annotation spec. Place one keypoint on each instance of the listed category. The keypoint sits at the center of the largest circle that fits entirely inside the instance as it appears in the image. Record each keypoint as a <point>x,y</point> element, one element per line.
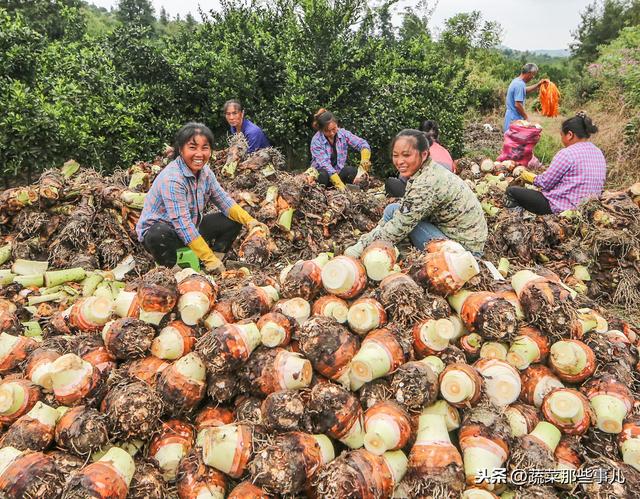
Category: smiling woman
<point>173,214</point>
<point>437,204</point>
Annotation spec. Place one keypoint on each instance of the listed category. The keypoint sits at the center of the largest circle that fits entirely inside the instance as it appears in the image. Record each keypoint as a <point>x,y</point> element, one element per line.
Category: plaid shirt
<point>321,150</point>
<point>178,198</point>
<point>576,173</point>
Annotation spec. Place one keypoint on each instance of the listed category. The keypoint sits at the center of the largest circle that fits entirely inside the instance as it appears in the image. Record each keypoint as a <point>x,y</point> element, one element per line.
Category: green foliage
<point>600,23</point>
<point>618,67</point>
<point>55,19</point>
<point>121,88</point>
<point>135,12</point>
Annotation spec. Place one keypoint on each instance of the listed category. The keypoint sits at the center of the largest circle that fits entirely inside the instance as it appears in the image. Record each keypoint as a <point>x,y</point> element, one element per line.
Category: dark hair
<point>430,128</point>
<point>322,118</point>
<point>232,102</point>
<point>581,126</point>
<point>421,142</point>
<point>188,132</point>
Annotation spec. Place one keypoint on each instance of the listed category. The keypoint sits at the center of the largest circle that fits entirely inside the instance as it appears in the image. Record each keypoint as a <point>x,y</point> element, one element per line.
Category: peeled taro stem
<point>275,329</point>
<point>283,411</point>
<point>76,381</point>
<point>175,340</point>
<point>91,314</point>
<point>381,353</point>
<point>432,336</point>
<point>14,350</point>
<point>82,430</point>
<point>128,338</point>
<point>387,427</point>
<point>536,449</point>
<point>133,410</point>
<point>170,445</point>
<point>484,439</point>
<point>291,462</point>
<point>157,295</point>
<point>487,314</point>
<point>502,382</point>
<point>17,397</point>
<point>435,464</point>
<point>29,474</point>
<point>529,347</point>
<point>227,448</point>
<point>610,400</point>
<point>183,384</point>
<point>272,369</point>
<point>329,346</point>
<point>195,480</point>
<point>568,410</point>
<point>446,270</point>
<point>331,306</point>
<point>338,413</point>
<point>35,430</point>
<point>344,277</point>
<point>365,315</point>
<point>297,309</point>
<point>415,384</point>
<point>522,418</point>
<point>107,478</point>
<point>460,385</point>
<point>197,295</point>
<point>537,381</point>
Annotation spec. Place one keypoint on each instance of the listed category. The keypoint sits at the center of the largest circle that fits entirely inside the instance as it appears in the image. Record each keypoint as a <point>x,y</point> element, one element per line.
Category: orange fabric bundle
<point>549,98</point>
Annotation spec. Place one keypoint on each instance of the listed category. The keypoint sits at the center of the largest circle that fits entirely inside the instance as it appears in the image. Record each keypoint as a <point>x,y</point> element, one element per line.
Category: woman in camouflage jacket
<point>437,203</point>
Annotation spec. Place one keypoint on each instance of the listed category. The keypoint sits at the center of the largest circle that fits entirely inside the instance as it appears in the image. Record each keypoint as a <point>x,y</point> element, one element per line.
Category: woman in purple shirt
<point>234,114</point>
<point>576,173</point>
<point>329,148</point>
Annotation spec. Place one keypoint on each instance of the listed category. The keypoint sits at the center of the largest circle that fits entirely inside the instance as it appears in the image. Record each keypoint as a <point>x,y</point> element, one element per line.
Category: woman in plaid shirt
<point>576,173</point>
<point>329,148</point>
<point>173,213</point>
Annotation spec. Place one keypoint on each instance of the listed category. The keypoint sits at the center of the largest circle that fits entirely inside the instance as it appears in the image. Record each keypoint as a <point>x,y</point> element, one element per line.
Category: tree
<point>55,19</point>
<point>190,21</point>
<point>466,31</point>
<point>139,12</point>
<point>164,17</point>
<point>600,23</point>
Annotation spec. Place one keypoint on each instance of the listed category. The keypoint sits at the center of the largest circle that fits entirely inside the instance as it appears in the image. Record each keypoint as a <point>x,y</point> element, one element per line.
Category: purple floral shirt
<point>321,150</point>
<point>576,174</point>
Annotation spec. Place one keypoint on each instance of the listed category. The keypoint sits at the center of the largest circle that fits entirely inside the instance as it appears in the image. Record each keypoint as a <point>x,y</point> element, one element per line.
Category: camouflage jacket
<point>440,197</point>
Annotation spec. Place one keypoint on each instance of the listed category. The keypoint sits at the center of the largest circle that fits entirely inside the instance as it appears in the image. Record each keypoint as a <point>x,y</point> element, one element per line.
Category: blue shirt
<point>517,93</point>
<point>254,134</point>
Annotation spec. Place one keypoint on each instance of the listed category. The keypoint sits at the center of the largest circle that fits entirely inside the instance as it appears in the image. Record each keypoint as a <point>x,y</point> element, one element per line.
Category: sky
<point>527,24</point>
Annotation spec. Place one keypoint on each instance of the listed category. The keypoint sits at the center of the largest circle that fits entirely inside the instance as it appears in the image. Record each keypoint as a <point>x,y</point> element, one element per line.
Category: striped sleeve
<point>221,199</point>
<point>356,142</point>
<point>559,166</point>
<point>321,157</point>
<point>174,196</point>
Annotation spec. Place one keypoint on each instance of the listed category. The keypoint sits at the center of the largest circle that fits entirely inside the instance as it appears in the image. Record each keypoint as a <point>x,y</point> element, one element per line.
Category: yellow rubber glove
<point>365,160</point>
<point>238,214</point>
<point>528,176</point>
<point>212,263</point>
<point>337,181</point>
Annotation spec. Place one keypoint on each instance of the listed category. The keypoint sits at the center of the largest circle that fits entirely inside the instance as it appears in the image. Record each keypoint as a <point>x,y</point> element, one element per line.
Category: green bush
<point>110,96</point>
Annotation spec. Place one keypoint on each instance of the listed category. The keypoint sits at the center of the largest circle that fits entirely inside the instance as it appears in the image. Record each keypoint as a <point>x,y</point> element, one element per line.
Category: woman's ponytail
<point>581,125</point>
<point>321,119</point>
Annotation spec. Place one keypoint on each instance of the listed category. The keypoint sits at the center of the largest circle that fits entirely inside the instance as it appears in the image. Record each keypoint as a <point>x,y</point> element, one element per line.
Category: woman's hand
<point>253,224</point>
<point>528,176</point>
<point>214,267</point>
<point>354,251</point>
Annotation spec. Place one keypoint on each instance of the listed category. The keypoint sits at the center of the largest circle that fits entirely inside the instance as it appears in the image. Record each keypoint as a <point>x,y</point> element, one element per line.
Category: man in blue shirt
<point>517,93</point>
<point>234,114</point>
